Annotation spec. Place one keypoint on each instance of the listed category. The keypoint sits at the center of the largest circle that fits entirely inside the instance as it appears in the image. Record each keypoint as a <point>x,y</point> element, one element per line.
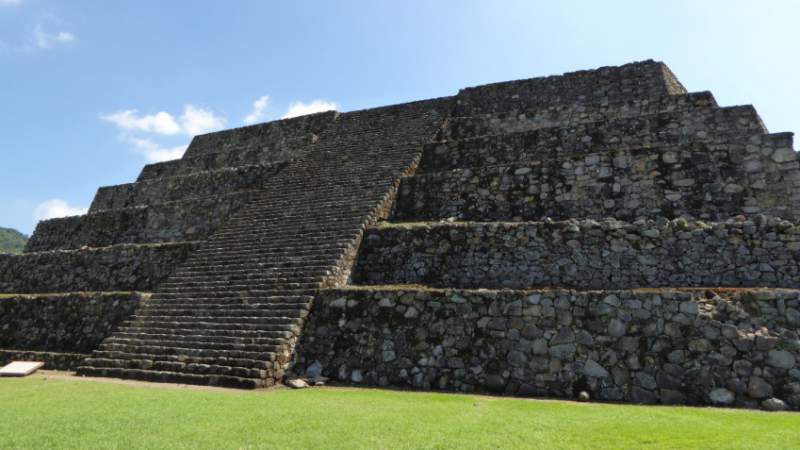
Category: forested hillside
<point>12,241</point>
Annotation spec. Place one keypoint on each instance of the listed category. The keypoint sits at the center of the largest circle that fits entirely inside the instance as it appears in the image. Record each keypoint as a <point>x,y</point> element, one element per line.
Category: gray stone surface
<point>606,254</point>
<point>514,342</point>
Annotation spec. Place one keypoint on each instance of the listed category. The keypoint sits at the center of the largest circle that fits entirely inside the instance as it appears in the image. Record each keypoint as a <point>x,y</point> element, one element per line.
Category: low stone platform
<point>671,346</point>
<point>61,329</point>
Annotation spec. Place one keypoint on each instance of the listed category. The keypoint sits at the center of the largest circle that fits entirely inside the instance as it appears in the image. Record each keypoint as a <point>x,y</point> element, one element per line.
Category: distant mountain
<point>12,241</point>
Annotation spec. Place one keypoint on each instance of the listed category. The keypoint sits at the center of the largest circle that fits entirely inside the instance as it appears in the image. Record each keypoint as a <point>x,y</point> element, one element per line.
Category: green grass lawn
<point>41,413</point>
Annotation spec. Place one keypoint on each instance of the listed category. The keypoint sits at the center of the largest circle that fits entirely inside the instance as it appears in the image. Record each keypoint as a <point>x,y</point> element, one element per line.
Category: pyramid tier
<point>583,254</point>
<point>126,267</point>
<point>670,346</point>
<point>192,219</point>
<point>756,175</point>
<point>60,329</point>
<point>200,184</point>
<point>701,122</point>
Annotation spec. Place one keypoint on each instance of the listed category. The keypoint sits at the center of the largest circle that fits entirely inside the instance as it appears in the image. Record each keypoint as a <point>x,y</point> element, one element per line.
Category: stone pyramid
<point>600,231</point>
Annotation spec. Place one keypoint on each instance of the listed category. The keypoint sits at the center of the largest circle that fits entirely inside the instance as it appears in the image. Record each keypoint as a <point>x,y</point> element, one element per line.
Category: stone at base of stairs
<point>174,377</point>
<point>52,360</point>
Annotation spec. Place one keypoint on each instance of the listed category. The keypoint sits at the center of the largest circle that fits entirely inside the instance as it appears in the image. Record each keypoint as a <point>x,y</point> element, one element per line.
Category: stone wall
<point>604,254</point>
<point>758,175</point>
<point>201,184</point>
<point>272,137</point>
<point>117,268</point>
<point>672,346</point>
<point>646,79</point>
<point>218,160</point>
<point>700,123</point>
<point>71,323</point>
<point>185,220</point>
<point>568,114</point>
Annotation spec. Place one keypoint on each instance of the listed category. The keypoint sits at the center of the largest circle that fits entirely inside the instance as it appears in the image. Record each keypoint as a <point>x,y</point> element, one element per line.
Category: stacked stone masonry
<point>584,254</point>
<point>61,328</point>
<point>615,179</point>
<point>115,268</point>
<point>696,347</point>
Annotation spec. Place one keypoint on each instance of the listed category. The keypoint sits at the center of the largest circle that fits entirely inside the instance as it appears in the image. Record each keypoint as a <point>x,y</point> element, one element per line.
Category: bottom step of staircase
<point>175,377</point>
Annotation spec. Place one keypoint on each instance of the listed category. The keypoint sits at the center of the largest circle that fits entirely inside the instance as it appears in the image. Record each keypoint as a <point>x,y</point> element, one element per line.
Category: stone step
<point>238,285</point>
<point>208,326</point>
<point>253,263</point>
<point>267,235</point>
<point>174,377</point>
<point>266,303</point>
<point>230,294</point>
<point>221,271</point>
<point>232,310</point>
<point>180,367</point>
<point>312,257</point>
<point>219,361</point>
<point>274,245</point>
<point>206,343</point>
<point>226,280</point>
<point>137,320</point>
<point>235,333</point>
<point>702,124</point>
<point>289,223</point>
<point>155,299</point>
<point>264,355</point>
<point>224,309</point>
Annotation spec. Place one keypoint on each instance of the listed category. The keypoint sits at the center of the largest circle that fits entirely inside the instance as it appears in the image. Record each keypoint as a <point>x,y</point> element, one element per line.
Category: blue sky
<point>90,91</point>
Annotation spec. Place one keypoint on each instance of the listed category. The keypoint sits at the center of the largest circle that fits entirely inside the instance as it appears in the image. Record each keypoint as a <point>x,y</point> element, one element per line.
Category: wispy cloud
<point>46,40</point>
<point>129,119</point>
<point>10,2</point>
<point>301,109</point>
<point>154,153</point>
<point>257,114</point>
<point>199,121</point>
<point>193,121</point>
<point>55,208</point>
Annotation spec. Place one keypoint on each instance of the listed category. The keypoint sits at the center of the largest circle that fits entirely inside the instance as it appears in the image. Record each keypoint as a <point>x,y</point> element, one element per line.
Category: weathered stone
<point>721,396</point>
<point>296,383</point>
<point>592,369</point>
<point>774,404</point>
<point>781,359</point>
<point>758,388</point>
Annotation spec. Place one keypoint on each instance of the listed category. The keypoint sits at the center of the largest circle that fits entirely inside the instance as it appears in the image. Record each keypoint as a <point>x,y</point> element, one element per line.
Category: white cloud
<point>199,121</point>
<point>301,109</point>
<point>155,153</point>
<point>55,208</point>
<point>47,40</point>
<point>193,121</point>
<point>10,2</point>
<point>258,110</point>
<point>160,122</point>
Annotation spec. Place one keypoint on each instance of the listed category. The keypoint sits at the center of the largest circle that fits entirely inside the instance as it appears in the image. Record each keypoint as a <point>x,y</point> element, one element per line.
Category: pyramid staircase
<point>231,314</point>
